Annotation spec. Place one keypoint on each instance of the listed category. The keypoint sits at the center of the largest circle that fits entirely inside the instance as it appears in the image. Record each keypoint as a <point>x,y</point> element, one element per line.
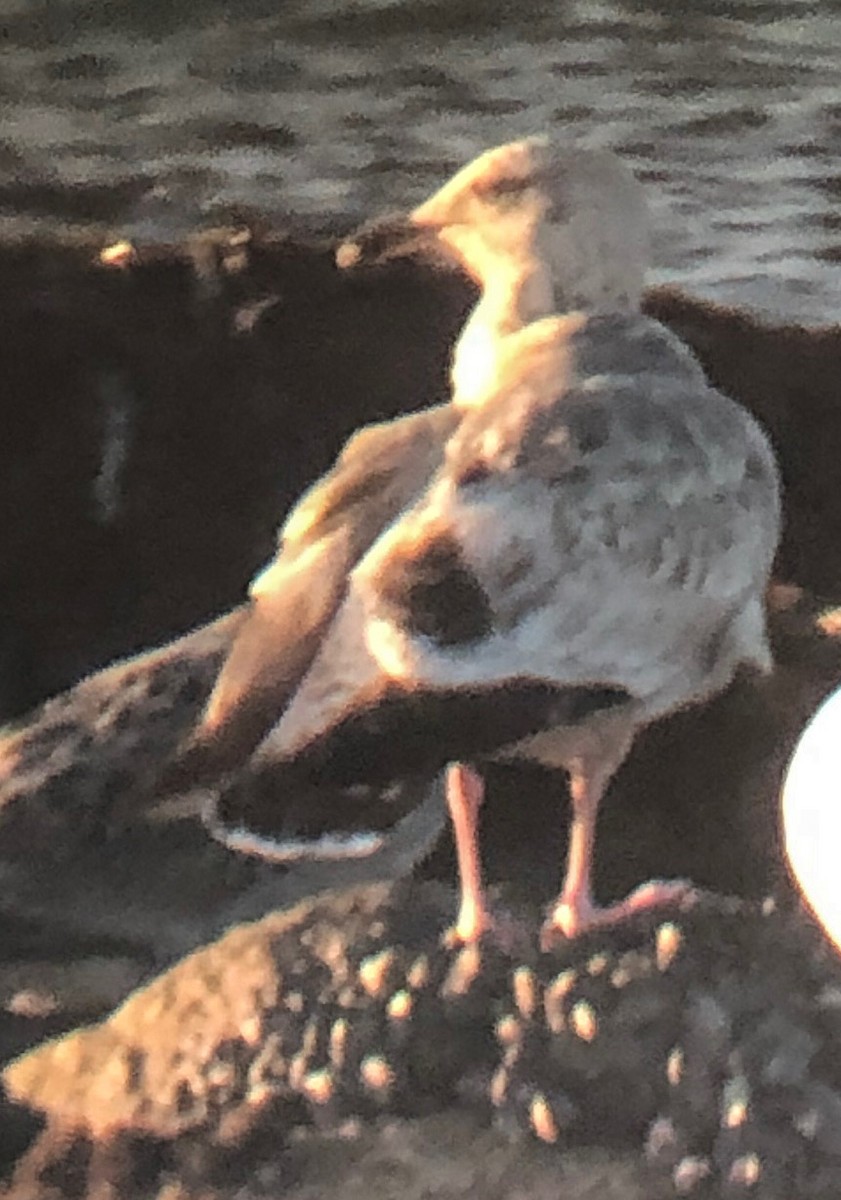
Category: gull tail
<point>329,781</point>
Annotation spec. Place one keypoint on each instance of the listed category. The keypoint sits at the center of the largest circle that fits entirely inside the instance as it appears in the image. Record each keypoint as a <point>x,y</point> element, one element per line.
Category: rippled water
<point>148,117</point>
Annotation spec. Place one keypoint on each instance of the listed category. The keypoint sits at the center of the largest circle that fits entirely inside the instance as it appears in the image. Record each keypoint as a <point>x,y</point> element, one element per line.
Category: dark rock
<point>224,376</point>
<point>709,1038</point>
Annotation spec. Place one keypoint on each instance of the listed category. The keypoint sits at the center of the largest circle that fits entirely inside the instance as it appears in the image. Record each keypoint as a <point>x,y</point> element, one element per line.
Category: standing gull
<point>589,550</point>
<point>584,211</point>
<point>577,205</point>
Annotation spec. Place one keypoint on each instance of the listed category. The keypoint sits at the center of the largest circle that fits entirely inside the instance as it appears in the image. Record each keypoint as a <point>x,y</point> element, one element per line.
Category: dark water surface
<point>146,117</point>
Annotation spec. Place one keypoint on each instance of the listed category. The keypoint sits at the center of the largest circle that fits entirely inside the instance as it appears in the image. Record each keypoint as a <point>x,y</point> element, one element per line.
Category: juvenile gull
<point>590,551</point>
<point>584,211</point>
<point>385,468</point>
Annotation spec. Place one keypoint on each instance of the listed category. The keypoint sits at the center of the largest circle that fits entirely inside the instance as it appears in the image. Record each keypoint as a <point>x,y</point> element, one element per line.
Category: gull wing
<point>596,534</point>
<point>381,470</point>
<point>622,521</point>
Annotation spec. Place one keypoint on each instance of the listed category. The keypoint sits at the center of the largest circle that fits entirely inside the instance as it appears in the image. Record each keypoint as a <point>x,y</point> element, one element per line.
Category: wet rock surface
<point>242,362</point>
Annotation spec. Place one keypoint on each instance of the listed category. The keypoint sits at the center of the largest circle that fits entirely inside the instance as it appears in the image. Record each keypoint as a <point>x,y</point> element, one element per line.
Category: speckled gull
<point>591,211</point>
<point>589,552</point>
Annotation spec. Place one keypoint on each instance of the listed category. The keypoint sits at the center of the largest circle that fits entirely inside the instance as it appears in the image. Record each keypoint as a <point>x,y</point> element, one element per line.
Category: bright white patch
<point>475,357</point>
<point>391,648</point>
<point>291,850</point>
<point>271,577</point>
<point>264,580</point>
<point>811,805</point>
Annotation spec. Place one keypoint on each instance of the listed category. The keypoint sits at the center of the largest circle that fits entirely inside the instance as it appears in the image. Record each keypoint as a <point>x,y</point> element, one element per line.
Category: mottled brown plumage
<point>596,517</point>
<point>294,600</point>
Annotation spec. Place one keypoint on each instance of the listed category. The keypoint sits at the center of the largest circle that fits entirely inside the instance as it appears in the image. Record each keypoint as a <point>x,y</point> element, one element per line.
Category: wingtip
<point>343,856</point>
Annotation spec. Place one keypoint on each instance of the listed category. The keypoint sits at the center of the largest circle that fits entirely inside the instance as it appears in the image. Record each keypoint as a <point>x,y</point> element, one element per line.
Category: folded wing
<point>294,600</point>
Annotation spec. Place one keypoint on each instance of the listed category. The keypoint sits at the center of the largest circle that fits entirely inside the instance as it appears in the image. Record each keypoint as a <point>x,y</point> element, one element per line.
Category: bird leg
<point>465,793</point>
<point>575,911</point>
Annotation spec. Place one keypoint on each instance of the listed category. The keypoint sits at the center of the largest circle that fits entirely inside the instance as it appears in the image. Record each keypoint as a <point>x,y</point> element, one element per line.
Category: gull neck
<point>513,296</point>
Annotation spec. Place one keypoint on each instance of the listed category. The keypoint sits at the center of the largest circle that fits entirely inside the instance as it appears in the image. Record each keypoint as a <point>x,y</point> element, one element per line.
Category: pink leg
<point>465,793</point>
<point>575,911</point>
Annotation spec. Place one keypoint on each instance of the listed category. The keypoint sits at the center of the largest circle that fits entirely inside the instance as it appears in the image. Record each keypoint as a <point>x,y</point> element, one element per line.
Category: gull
<point>580,546</point>
<point>386,467</point>
<point>580,206</point>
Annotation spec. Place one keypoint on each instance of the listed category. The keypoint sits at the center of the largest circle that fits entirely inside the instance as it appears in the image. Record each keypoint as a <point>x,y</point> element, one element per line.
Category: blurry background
<point>144,117</point>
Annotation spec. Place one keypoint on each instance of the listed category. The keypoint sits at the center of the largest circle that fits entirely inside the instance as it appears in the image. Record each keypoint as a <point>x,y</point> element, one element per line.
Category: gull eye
<point>475,472</point>
<point>561,210</point>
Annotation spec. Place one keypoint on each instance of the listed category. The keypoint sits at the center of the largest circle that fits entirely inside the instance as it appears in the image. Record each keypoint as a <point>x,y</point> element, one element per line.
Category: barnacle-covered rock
<point>714,1036</point>
<point>706,1040</point>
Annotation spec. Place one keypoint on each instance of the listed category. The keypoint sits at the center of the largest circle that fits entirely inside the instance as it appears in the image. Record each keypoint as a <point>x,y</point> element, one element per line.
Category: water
<point>146,118</point>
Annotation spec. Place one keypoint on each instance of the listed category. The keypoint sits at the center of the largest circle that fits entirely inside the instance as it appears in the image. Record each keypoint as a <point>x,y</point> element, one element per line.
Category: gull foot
<point>571,918</point>
<point>500,929</point>
<point>468,934</point>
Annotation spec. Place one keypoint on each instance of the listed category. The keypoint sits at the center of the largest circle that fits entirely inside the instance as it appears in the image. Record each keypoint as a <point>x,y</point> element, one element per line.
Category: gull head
<point>570,220</point>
